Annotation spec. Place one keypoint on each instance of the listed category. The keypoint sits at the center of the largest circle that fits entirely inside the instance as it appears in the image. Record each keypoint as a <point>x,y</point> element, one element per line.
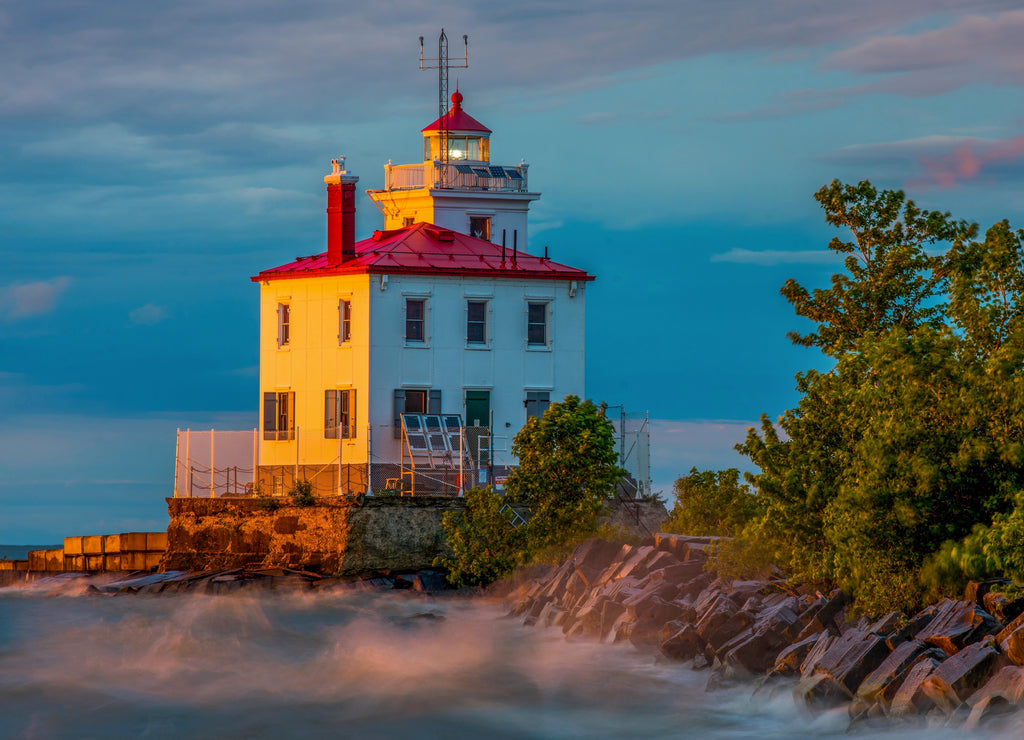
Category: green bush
<point>267,503</point>
<point>567,468</point>
<point>711,502</point>
<point>302,494</point>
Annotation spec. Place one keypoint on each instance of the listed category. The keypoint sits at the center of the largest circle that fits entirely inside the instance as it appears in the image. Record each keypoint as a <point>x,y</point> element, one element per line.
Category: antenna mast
<point>442,65</point>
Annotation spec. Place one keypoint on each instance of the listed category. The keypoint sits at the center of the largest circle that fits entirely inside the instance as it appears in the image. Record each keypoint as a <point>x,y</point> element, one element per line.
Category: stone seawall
<point>343,536</point>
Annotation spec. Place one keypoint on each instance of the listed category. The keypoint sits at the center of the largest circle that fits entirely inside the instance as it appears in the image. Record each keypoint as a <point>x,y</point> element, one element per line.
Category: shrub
<point>302,494</point>
<point>711,502</point>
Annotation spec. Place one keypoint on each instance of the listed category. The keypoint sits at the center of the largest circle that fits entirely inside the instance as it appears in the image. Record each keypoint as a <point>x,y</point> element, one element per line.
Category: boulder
<point>1001,607</point>
<point>820,692</point>
<point>851,657</point>
<point>958,624</point>
<point>909,699</point>
<point>815,654</point>
<point>887,625</point>
<point>595,553</point>
<point>975,591</point>
<point>678,573</point>
<point>962,674</point>
<point>1002,694</point>
<point>1012,645</point>
<point>684,644</point>
<point>720,622</point>
<point>912,626</point>
<point>788,661</point>
<point>893,669</point>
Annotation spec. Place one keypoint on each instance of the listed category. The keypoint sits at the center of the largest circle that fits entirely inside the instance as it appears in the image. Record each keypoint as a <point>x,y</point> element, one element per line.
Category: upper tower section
<point>464,191</point>
<point>469,141</point>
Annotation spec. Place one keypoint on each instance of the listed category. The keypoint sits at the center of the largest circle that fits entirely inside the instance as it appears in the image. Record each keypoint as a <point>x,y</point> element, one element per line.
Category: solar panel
<point>465,169</point>
<point>482,171</point>
<point>512,174</point>
<point>417,441</point>
<point>497,171</point>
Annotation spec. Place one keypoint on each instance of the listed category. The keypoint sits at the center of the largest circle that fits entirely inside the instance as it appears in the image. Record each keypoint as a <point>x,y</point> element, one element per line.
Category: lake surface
<point>350,664</point>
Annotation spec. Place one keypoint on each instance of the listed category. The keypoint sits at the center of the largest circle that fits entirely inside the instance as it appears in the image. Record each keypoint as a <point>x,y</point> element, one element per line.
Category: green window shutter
<point>435,402</point>
<point>399,408</point>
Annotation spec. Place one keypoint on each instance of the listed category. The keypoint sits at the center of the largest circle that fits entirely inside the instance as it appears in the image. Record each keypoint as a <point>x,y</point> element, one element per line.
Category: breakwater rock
<point>957,663</point>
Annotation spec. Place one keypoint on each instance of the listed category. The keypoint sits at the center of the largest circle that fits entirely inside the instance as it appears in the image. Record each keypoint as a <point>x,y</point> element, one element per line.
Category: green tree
<point>891,280</point>
<point>484,543</point>
<point>711,502</point>
<point>567,467</point>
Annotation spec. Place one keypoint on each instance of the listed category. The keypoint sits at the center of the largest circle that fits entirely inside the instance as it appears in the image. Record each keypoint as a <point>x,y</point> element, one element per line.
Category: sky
<point>154,156</point>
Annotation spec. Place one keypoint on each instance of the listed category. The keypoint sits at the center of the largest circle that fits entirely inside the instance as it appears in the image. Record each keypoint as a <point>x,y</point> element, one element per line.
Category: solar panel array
<point>432,434</point>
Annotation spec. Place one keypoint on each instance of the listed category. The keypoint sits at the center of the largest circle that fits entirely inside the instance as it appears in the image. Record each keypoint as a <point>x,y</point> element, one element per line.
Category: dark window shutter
<point>269,413</point>
<point>399,408</point>
<point>435,402</point>
<point>351,413</point>
<point>330,414</point>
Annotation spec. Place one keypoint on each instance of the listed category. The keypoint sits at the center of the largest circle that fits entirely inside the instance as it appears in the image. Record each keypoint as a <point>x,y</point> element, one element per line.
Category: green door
<point>478,418</point>
<point>478,408</point>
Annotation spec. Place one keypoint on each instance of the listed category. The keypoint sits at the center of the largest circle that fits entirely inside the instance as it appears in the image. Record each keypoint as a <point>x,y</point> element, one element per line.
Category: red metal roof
<point>458,119</point>
<point>425,249</point>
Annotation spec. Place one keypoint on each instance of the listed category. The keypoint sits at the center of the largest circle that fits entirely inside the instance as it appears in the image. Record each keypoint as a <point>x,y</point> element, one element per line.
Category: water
<point>348,664</point>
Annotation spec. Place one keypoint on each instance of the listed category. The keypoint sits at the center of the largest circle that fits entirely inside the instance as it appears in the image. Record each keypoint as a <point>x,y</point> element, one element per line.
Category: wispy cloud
<point>147,315</point>
<point>940,162</point>
<point>22,300</point>
<point>774,257</point>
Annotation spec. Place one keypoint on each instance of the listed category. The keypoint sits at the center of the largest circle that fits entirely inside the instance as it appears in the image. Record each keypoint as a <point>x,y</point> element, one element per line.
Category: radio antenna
<point>442,64</point>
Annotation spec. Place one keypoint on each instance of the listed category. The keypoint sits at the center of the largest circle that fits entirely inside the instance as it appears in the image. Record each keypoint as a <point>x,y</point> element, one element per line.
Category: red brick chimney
<point>341,214</point>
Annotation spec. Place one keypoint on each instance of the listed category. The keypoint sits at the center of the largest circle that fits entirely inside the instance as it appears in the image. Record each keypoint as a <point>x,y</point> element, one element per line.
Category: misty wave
<point>347,664</point>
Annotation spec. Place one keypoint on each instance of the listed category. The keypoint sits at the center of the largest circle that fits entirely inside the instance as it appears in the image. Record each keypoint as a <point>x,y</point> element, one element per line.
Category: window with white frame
<point>279,415</point>
<point>344,320</point>
<point>415,401</point>
<point>283,324</point>
<point>476,322</point>
<point>415,320</point>
<point>340,414</point>
<point>537,324</point>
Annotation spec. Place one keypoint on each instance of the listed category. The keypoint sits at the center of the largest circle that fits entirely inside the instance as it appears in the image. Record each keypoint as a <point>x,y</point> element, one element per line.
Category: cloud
<point>940,162</point>
<point>992,42</point>
<point>22,300</point>
<point>775,257</point>
<point>147,315</point>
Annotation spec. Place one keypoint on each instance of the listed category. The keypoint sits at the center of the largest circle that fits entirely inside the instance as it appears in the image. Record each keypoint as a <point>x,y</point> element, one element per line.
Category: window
<point>415,402</point>
<point>283,324</point>
<point>344,321</point>
<point>476,322</point>
<point>480,227</point>
<point>537,324</point>
<point>408,221</point>
<point>537,403</point>
<point>279,415</point>
<point>340,414</point>
<point>415,320</point>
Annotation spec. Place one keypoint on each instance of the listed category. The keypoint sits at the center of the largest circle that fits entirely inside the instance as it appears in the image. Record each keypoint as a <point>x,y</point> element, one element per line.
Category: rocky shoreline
<point>957,663</point>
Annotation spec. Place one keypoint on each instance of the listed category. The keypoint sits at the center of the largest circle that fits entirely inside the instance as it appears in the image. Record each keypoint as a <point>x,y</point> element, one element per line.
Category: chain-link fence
<point>368,460</point>
<point>633,442</point>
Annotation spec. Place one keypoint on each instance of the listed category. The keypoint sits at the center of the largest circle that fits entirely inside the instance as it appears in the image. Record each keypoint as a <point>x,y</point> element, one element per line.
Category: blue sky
<point>153,157</point>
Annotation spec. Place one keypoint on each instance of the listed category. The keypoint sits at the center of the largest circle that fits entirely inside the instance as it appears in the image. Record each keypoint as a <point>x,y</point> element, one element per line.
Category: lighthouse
<point>462,191</point>
<point>407,362</point>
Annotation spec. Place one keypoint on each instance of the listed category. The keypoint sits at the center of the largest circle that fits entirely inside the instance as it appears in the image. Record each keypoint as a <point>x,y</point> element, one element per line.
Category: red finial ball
<point>457,99</point>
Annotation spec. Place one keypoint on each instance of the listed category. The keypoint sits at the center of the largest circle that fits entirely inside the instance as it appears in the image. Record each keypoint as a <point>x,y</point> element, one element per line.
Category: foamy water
<point>350,664</point>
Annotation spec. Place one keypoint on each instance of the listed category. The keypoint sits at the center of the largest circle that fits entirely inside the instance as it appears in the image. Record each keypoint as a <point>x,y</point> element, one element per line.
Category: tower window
<point>344,321</point>
<point>480,227</point>
<point>537,403</point>
<point>283,324</point>
<point>537,324</point>
<point>279,415</point>
<point>415,320</point>
<point>476,322</point>
<point>340,414</point>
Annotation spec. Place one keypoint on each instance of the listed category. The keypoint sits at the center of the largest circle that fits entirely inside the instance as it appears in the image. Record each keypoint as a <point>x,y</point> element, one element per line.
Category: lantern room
<point>468,139</point>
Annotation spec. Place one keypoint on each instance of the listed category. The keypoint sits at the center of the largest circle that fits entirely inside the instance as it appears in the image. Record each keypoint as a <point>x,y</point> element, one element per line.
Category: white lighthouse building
<point>409,360</point>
